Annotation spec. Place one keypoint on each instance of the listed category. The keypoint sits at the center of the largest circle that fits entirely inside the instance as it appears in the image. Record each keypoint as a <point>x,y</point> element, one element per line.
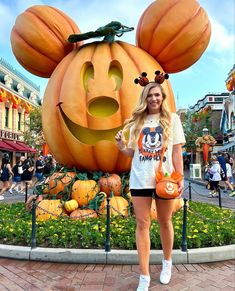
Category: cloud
<point>221,39</point>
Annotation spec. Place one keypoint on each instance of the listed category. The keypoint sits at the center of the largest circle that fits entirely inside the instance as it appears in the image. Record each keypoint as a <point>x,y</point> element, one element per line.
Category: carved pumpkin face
<point>89,96</point>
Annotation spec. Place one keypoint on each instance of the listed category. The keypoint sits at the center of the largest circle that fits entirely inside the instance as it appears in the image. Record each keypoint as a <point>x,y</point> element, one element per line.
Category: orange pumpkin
<point>83,214</point>
<point>175,33</point>
<point>118,205</point>
<point>88,97</point>
<point>58,181</point>
<point>111,184</point>
<point>84,191</point>
<point>49,209</point>
<point>39,39</point>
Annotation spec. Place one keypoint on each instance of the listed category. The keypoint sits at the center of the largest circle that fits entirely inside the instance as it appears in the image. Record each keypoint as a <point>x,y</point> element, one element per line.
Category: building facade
<point>18,96</point>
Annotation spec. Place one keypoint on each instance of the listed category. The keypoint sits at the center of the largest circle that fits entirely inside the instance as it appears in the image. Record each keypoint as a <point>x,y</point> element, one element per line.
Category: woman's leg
<point>142,206</point>
<point>5,186</point>
<point>164,214</point>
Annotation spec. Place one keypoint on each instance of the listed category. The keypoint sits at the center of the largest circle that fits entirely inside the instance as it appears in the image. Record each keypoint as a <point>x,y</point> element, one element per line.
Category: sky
<point>207,75</point>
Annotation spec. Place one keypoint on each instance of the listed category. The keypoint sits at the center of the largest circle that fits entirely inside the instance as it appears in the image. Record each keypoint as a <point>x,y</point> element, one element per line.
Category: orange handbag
<point>167,185</point>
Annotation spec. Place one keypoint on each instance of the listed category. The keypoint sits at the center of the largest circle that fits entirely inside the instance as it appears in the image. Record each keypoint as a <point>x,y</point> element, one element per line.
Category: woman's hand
<point>120,140</point>
<point>181,186</point>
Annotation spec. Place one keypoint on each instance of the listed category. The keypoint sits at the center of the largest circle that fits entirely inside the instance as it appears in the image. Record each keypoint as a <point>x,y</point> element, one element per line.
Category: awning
<point>6,147</point>
<point>27,148</point>
<point>16,146</point>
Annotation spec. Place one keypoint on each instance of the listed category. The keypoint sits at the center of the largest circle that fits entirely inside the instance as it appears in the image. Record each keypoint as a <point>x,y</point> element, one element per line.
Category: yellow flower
<point>95,227</point>
<point>195,230</point>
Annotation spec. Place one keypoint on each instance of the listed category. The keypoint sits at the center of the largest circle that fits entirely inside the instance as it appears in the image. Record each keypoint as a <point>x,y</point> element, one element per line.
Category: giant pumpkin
<point>174,32</point>
<point>39,38</point>
<point>89,96</point>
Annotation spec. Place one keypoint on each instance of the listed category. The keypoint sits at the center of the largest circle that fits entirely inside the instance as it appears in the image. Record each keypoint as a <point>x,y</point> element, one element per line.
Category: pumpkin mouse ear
<point>142,80</point>
<point>160,78</point>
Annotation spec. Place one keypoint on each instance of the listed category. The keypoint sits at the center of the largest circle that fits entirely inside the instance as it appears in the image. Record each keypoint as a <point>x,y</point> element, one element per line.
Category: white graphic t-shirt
<point>147,152</point>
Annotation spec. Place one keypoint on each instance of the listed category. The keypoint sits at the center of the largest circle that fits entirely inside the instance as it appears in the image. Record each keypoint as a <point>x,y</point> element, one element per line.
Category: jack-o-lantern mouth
<point>86,135</point>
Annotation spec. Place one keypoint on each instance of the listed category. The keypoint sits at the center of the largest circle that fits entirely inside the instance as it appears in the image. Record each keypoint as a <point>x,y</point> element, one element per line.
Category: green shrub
<point>207,226</point>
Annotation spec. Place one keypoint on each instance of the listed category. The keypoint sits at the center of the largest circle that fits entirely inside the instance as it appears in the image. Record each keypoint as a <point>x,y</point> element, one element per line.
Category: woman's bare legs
<point>142,207</point>
<point>164,214</point>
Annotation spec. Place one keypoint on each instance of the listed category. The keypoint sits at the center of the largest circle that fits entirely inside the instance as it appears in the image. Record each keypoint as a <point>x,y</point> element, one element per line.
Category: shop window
<point>19,120</point>
<point>6,116</point>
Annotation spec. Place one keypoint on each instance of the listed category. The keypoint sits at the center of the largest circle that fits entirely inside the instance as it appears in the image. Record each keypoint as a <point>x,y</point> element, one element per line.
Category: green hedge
<point>211,226</point>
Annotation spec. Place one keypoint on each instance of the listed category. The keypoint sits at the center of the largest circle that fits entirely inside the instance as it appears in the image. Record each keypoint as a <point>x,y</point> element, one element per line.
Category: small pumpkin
<point>49,209</point>
<point>39,39</point>
<point>175,33</point>
<point>118,206</point>
<point>83,191</point>
<point>71,205</point>
<point>58,181</point>
<point>111,184</point>
<point>83,214</point>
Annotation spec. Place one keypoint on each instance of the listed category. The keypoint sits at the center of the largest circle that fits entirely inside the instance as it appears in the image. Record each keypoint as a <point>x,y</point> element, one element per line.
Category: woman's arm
<point>177,159</point>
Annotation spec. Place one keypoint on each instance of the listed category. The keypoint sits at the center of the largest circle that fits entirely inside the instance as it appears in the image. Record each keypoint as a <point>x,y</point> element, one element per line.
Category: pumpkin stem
<point>109,31</point>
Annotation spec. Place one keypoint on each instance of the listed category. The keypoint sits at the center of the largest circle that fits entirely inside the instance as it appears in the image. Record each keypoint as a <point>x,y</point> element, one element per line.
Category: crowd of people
<point>23,172</point>
<point>220,169</point>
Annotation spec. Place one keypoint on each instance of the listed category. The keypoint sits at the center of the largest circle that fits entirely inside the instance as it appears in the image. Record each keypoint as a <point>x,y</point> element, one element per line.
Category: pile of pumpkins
<point>84,198</point>
<point>70,194</point>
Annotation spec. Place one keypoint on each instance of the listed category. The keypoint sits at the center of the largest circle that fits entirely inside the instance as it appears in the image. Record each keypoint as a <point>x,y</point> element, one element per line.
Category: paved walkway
<point>23,275</point>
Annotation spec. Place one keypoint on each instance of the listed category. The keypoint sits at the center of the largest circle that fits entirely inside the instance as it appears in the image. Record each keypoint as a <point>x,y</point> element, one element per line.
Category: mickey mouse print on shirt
<point>150,143</point>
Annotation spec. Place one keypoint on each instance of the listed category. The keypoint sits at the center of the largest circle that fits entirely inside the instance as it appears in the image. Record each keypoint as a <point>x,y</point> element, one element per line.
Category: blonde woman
<point>152,126</point>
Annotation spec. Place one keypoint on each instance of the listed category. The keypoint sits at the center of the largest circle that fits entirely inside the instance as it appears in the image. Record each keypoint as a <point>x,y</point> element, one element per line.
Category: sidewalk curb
<point>90,256</point>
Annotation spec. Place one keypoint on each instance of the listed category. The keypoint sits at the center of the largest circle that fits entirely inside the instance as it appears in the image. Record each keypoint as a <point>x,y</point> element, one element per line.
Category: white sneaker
<point>1,197</point>
<point>10,191</point>
<point>144,283</point>
<point>165,275</point>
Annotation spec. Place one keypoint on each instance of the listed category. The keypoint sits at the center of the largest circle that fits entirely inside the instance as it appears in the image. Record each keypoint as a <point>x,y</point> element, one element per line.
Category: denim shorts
<point>16,179</point>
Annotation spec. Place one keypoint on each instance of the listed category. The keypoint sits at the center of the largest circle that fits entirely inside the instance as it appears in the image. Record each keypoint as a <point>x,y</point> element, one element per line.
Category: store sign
<point>9,135</point>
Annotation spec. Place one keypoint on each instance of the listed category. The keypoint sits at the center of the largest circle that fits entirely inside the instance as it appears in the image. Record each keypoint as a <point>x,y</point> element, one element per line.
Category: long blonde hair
<point>141,111</point>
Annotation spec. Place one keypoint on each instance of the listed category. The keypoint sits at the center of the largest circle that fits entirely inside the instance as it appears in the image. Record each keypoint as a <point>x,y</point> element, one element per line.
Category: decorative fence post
<point>184,228</point>
<point>33,234</point>
<point>26,191</point>
<point>107,239</point>
<point>190,191</point>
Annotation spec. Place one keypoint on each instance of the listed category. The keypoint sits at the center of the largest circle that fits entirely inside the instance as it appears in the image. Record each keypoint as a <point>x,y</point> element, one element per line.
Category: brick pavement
<point>30,275</point>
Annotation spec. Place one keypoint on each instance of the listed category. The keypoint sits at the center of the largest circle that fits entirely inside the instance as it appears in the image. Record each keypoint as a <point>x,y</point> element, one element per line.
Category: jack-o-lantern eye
<point>115,71</point>
<point>87,74</point>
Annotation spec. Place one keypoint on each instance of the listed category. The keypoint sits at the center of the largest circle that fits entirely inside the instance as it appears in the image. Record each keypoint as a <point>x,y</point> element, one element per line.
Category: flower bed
<point>207,226</point>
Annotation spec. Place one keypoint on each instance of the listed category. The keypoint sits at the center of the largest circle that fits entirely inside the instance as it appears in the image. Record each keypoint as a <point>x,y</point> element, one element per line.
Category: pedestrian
<point>227,184</point>
<point>17,172</point>
<point>215,177</point>
<point>229,175</point>
<point>6,172</point>
<point>27,175</point>
<point>39,168</point>
<point>150,127</point>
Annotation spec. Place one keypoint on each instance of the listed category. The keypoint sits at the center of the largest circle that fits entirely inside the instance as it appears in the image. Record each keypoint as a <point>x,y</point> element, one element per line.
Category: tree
<point>33,134</point>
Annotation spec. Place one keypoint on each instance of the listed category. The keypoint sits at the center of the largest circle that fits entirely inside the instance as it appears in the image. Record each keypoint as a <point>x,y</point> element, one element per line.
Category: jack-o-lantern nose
<point>103,106</point>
